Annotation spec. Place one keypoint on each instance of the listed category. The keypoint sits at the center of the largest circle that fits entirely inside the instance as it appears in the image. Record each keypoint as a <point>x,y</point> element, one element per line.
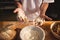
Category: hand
<point>21,14</point>
<point>45,17</point>
<point>16,10</point>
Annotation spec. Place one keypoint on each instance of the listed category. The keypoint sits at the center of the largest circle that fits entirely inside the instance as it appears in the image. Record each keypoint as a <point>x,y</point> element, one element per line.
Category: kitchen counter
<point>45,26</point>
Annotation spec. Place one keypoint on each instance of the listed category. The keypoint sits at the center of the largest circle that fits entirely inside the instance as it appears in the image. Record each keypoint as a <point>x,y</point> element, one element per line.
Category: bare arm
<point>20,12</point>
<point>43,9</point>
<point>19,5</point>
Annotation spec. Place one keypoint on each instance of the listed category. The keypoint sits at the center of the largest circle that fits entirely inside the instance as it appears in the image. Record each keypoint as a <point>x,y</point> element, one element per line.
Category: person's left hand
<point>45,17</point>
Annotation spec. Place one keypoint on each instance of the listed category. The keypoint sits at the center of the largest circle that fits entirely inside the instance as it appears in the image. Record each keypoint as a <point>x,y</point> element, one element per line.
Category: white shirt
<point>31,7</point>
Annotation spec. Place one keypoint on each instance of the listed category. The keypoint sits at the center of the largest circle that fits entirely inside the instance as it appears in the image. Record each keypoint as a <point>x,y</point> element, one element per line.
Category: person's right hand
<point>17,10</point>
<point>21,14</point>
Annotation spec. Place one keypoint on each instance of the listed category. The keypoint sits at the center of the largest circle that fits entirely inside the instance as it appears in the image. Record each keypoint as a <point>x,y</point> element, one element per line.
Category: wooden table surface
<point>46,27</point>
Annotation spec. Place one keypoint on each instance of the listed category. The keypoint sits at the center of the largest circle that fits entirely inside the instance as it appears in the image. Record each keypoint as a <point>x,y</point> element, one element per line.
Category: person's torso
<point>31,5</point>
<point>31,8</point>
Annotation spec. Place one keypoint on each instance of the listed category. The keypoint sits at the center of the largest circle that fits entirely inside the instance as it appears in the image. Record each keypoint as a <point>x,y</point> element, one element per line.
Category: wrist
<point>42,13</point>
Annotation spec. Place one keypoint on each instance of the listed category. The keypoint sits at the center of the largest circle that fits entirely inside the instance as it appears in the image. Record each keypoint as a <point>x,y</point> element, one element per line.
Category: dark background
<point>7,7</point>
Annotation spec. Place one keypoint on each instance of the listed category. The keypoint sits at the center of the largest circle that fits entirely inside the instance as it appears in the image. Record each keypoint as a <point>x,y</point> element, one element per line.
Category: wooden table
<point>46,27</point>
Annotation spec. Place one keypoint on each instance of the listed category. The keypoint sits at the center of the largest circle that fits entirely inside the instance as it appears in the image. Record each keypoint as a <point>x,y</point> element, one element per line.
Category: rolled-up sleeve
<point>48,1</point>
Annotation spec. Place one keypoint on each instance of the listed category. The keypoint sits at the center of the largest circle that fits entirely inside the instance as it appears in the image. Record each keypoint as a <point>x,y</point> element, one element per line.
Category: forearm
<point>43,11</point>
<point>43,8</point>
<point>19,5</point>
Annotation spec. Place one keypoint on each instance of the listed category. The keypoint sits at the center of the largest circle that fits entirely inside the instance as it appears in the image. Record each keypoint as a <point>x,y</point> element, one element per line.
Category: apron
<point>31,8</point>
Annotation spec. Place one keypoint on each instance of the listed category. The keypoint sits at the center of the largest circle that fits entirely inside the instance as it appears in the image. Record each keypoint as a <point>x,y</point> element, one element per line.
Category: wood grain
<point>45,26</point>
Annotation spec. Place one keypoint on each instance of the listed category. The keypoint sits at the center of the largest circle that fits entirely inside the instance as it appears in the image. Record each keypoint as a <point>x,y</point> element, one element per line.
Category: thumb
<point>16,10</point>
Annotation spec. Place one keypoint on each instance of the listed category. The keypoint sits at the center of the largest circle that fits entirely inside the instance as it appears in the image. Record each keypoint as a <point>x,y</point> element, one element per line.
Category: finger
<point>21,19</point>
<point>48,18</point>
